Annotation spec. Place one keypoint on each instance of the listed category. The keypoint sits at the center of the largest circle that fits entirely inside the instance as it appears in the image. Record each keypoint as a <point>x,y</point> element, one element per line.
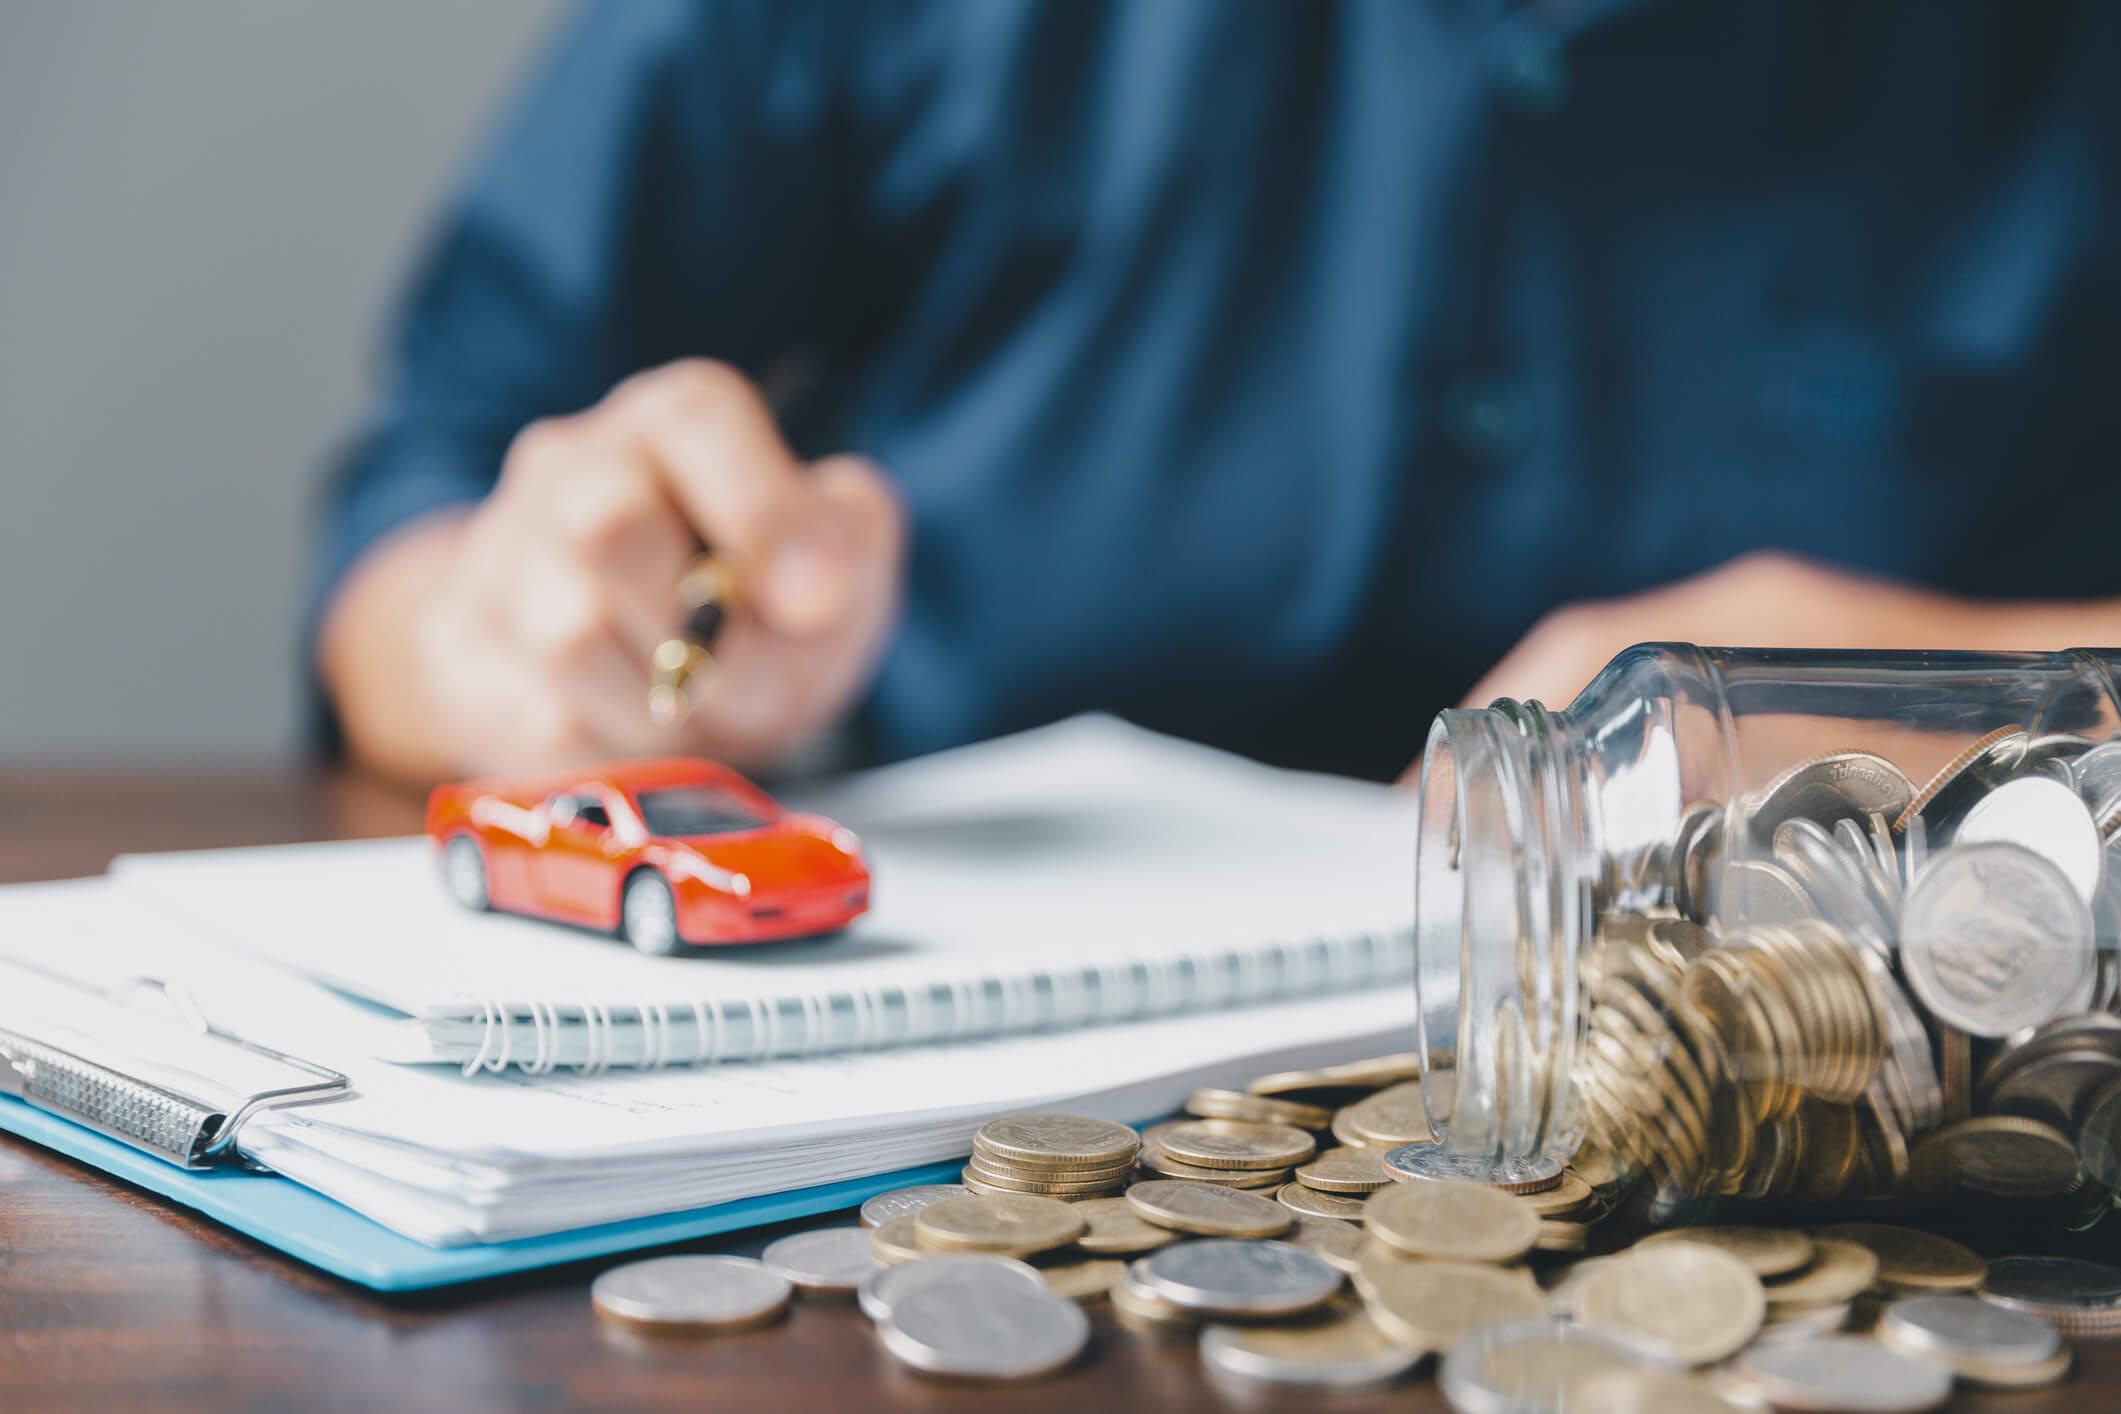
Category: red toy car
<point>667,853</point>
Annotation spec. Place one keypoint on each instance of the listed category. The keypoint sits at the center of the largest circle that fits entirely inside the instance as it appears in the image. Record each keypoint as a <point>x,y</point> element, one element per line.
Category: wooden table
<point>111,1299</point>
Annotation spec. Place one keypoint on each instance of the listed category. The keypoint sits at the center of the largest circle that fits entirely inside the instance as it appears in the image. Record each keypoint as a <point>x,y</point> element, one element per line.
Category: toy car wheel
<point>649,916</point>
<point>464,871</point>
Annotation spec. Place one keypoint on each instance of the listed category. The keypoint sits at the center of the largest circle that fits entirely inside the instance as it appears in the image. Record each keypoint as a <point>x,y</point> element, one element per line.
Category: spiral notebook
<point>1088,873</point>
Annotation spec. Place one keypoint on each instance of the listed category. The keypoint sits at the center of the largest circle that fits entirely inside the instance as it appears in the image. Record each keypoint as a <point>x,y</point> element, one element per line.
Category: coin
<point>1228,1277</point>
<point>1371,1074</point>
<point>1115,1228</point>
<point>1345,1171</point>
<point>1643,1391</point>
<point>693,1293</point>
<point>887,1284</point>
<point>2098,777</point>
<point>1083,1278</point>
<point>1394,1115</point>
<point>1208,1210</point>
<point>1339,1243</point>
<point>2000,1154</point>
<point>1563,1199</point>
<point>896,1240</point>
<point>1805,1322</point>
<point>905,1202</point>
<point>2014,1376</point>
<point>1429,1306</point>
<point>1957,1329</point>
<point>1155,1160</point>
<point>2045,817</point>
<point>1532,1365</point>
<point>830,1261</point>
<point>1231,1144</point>
<point>1448,1219</point>
<point>1695,1302</point>
<point>1911,1258</point>
<point>1140,1309</point>
<point>1838,1271</point>
<point>1065,1140</point>
<point>1256,1109</point>
<point>1428,1161</point>
<point>1346,1351</point>
<point>1970,770</point>
<point>1768,1251</point>
<point>2078,1297</point>
<point>1013,1225</point>
<point>1302,1198</point>
<point>1994,938</point>
<point>1844,1372</point>
<point>1755,892</point>
<point>2099,1136</point>
<point>1839,786</point>
<point>986,1182</point>
<point>983,1330</point>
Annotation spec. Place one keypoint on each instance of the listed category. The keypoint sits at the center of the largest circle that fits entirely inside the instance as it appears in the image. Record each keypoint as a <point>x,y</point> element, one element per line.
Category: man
<point>1261,371</point>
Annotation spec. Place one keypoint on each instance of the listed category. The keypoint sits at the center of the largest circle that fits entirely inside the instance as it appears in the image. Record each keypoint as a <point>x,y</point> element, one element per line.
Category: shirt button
<point>1529,66</point>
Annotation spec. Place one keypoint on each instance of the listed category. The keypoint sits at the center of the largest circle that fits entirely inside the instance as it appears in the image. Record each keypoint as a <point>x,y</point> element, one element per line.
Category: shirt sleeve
<point>661,187</point>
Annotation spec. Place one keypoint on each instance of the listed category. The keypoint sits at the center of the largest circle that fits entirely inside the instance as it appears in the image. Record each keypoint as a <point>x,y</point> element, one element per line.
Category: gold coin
<point>1116,1229</point>
<point>987,1188</point>
<point>1695,1302</point>
<point>1562,1199</point>
<point>1064,1140</point>
<point>1024,1182</point>
<point>1452,1220</point>
<point>1345,1135</point>
<point>1256,1109</point>
<point>1371,1074</point>
<point>1769,1251</point>
<point>1158,1161</point>
<point>1013,1225</point>
<point>1345,1171</point>
<point>1302,1198</point>
<point>1210,1211</point>
<point>1991,1374</point>
<point>1951,772</point>
<point>1338,1242</point>
<point>1083,1278</point>
<point>2004,1155</point>
<point>1340,1350</point>
<point>893,1241</point>
<point>1911,1258</point>
<point>1427,1306</point>
<point>1838,1271</point>
<point>1625,1391</point>
<point>1390,1117</point>
<point>1231,1144</point>
<point>1045,1173</point>
<point>1556,1235</point>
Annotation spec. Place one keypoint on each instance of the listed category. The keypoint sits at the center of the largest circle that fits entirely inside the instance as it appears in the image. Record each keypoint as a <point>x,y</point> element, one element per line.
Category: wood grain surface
<point>111,1299</point>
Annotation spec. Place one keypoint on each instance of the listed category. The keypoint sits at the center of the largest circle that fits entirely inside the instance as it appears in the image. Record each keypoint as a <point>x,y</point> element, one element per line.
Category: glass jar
<point>1817,925</point>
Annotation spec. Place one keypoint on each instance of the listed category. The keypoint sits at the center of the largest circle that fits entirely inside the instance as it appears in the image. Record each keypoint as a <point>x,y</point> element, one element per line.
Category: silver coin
<point>983,1330</point>
<point>1887,855</point>
<point>1696,855</point>
<point>724,1292</point>
<point>2053,1088</point>
<point>2099,1136</point>
<point>1823,1320</point>
<point>887,1284</point>
<point>1756,893</point>
<point>2098,774</point>
<point>1534,1367</point>
<point>1914,854</point>
<point>1881,882</point>
<point>1834,879</point>
<point>1908,1050</point>
<point>1844,1372</point>
<point>1963,1327</point>
<point>1230,1276</point>
<point>1994,938</point>
<point>2045,817</point>
<point>1947,796</point>
<point>1425,1158</point>
<point>1846,784</point>
<point>905,1202</point>
<point>830,1261</point>
<point>1342,1354</point>
<point>2068,1284</point>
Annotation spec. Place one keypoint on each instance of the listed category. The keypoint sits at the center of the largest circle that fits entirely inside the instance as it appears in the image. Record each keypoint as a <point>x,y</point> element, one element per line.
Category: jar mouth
<point>1502,915</point>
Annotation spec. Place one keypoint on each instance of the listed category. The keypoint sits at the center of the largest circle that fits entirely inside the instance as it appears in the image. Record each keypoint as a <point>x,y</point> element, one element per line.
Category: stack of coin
<point>1231,1152</point>
<point>1055,1156</point>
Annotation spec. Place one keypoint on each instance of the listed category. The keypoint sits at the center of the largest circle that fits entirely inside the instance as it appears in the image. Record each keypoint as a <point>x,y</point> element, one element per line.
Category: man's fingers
<point>712,438</point>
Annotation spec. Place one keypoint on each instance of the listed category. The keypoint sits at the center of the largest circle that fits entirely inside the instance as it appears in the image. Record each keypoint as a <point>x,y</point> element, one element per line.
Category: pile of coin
<point>1847,986</point>
<point>1058,1156</point>
<point>1413,1259</point>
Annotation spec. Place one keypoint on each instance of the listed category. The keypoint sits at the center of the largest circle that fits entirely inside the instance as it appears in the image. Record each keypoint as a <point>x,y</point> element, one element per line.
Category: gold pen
<point>707,592</point>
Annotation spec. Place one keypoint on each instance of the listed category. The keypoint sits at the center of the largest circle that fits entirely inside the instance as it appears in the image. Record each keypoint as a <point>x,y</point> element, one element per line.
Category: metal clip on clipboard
<point>182,1129</point>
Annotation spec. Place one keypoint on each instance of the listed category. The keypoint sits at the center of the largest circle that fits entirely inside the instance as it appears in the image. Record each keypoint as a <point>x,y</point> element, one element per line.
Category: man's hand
<point>516,637</point>
<point>1770,600</point>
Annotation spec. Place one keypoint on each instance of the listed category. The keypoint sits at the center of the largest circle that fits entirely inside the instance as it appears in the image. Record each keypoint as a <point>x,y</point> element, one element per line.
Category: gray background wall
<point>203,207</point>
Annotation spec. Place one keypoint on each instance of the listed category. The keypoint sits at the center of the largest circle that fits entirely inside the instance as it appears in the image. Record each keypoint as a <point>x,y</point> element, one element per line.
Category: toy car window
<point>696,810</point>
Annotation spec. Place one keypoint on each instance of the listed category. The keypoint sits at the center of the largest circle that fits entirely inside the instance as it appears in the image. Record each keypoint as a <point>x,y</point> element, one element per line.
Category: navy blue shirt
<point>1261,369</point>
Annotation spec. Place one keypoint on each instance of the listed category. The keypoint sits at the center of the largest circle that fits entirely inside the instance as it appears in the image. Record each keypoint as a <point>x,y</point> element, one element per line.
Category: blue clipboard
<point>328,1235</point>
